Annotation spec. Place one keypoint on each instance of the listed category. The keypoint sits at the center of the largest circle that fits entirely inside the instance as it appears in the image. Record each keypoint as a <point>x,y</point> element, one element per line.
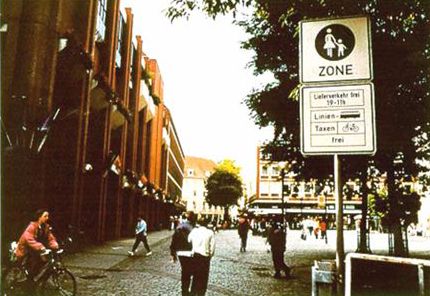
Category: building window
<point>190,172</point>
<point>264,171</point>
<point>121,26</point>
<point>195,193</point>
<point>101,20</point>
<point>132,66</point>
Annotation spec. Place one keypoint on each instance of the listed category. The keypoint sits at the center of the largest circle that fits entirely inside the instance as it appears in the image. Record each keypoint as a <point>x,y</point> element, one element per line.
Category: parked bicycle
<point>53,279</point>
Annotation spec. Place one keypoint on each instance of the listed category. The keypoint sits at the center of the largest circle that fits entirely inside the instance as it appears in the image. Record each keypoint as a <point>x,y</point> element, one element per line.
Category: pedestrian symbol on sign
<point>335,42</point>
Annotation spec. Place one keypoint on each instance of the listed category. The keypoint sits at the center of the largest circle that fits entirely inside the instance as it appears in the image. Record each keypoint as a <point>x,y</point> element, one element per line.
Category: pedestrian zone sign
<point>337,119</point>
<point>335,50</point>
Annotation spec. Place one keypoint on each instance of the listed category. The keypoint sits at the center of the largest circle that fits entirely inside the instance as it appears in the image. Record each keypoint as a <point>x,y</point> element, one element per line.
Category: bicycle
<point>53,279</point>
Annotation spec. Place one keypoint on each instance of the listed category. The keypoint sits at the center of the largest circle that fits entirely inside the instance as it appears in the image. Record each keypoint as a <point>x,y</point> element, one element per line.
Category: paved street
<point>107,270</point>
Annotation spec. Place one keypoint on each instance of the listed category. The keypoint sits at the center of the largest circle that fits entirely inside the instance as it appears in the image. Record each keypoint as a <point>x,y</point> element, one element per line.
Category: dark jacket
<point>243,229</point>
<point>180,238</point>
<point>277,238</point>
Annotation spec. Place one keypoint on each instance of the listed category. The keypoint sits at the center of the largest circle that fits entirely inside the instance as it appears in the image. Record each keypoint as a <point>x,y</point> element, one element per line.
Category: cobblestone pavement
<point>107,270</point>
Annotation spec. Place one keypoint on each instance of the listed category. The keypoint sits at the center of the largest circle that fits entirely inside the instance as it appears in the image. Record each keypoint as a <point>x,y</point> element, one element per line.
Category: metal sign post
<point>340,253</point>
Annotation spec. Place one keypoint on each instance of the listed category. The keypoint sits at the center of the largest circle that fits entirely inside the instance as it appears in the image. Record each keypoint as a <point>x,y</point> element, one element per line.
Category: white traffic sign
<point>337,119</point>
<point>335,50</point>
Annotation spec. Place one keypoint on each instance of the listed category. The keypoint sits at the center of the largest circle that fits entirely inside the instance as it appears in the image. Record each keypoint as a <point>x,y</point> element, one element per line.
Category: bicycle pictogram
<point>350,127</point>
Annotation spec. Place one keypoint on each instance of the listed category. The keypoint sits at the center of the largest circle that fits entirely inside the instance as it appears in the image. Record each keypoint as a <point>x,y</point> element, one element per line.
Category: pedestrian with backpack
<point>181,249</point>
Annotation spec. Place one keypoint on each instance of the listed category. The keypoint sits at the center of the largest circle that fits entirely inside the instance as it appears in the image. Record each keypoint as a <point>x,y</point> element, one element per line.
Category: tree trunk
<point>363,225</point>
<point>399,247</point>
<point>226,216</point>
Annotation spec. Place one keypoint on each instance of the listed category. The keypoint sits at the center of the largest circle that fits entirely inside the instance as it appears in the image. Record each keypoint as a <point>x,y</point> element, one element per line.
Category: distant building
<point>424,214</point>
<point>197,171</point>
<point>301,198</point>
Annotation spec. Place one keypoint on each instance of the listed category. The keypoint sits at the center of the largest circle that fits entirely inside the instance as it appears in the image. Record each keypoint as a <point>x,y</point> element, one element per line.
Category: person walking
<point>180,249</point>
<point>316,227</point>
<point>323,229</point>
<point>243,230</point>
<point>203,248</point>
<point>277,240</point>
<point>303,235</point>
<point>141,236</point>
<point>309,223</point>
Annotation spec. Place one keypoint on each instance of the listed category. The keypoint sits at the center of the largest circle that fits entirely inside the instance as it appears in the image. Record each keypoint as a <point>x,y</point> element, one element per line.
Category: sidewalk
<point>111,253</point>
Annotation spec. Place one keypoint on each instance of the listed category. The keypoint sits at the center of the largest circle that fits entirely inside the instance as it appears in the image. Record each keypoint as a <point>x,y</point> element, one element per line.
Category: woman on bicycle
<point>36,238</point>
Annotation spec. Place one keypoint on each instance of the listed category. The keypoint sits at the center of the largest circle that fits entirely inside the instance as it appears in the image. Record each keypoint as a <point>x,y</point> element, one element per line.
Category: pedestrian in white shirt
<point>203,248</point>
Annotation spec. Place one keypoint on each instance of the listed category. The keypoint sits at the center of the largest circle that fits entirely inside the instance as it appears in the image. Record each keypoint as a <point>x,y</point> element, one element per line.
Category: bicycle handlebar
<point>49,251</point>
<point>45,252</point>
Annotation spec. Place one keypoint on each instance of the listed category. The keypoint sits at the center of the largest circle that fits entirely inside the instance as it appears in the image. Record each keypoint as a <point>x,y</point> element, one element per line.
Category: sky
<point>205,81</point>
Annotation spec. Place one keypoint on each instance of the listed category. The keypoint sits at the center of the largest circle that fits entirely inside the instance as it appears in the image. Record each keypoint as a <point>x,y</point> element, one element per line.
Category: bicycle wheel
<point>60,282</point>
<point>14,282</point>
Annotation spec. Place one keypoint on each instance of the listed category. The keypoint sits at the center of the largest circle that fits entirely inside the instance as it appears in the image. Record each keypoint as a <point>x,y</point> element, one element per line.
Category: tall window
<point>132,66</point>
<point>121,25</point>
<point>101,20</point>
<point>264,171</point>
<point>275,171</point>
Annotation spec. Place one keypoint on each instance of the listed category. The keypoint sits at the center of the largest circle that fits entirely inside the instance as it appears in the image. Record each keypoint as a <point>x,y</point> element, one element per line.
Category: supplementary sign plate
<point>337,119</point>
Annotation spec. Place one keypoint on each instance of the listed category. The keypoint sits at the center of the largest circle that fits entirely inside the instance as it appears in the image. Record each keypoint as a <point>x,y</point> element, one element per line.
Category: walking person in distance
<point>277,241</point>
<point>141,236</point>
<point>243,230</point>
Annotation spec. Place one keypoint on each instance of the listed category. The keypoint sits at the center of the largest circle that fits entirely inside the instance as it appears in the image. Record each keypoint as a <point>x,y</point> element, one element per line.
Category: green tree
<point>224,186</point>
<point>401,54</point>
<point>229,166</point>
<point>402,205</point>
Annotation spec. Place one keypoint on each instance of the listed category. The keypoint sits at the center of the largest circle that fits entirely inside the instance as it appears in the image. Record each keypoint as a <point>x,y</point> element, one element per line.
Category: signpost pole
<point>340,253</point>
<point>283,198</point>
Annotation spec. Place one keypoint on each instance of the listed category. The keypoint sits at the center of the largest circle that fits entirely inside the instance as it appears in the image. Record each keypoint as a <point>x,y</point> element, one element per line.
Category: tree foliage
<point>183,8</point>
<point>403,205</point>
<point>229,166</point>
<point>224,185</point>
<point>401,53</point>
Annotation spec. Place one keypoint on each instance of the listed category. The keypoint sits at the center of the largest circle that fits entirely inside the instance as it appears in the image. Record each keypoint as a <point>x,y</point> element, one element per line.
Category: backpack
<point>180,240</point>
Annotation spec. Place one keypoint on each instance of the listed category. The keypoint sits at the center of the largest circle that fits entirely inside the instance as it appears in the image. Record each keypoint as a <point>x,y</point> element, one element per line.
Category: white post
<point>348,275</point>
<point>421,280</point>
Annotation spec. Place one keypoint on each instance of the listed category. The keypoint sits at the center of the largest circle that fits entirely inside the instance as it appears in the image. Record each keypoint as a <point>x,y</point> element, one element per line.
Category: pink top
<point>29,239</point>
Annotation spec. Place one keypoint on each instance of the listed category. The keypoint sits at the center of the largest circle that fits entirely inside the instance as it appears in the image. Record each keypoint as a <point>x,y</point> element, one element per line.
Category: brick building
<point>85,131</point>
